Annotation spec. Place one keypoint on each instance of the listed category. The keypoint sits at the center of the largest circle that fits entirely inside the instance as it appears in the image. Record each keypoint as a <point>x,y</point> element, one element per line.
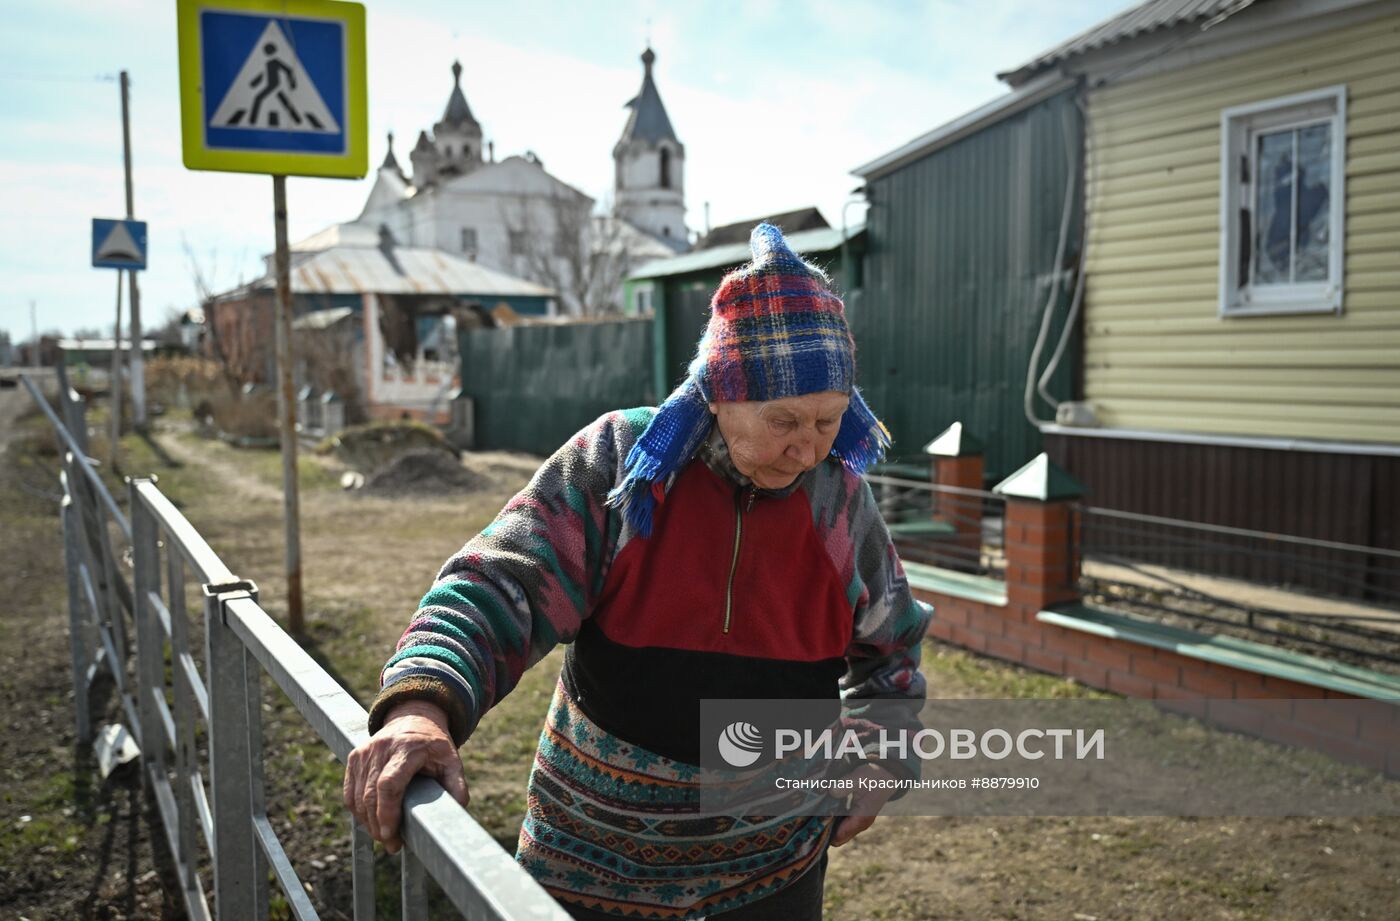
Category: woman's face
<point>774,443</point>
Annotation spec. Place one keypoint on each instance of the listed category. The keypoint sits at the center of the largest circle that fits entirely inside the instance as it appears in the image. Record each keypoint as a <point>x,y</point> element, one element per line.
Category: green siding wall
<point>960,251</point>
<point>535,386</point>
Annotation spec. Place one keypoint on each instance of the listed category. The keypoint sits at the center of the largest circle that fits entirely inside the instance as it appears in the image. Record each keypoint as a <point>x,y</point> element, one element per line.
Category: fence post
<point>414,886</point>
<point>235,750</point>
<point>77,626</point>
<point>70,404</point>
<point>362,872</point>
<point>186,757</point>
<point>1042,550</point>
<point>150,638</point>
<point>958,461</point>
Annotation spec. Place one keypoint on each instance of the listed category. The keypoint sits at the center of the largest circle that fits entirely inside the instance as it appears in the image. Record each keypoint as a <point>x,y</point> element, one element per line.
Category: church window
<point>517,242</point>
<point>469,240</point>
<point>665,168</point>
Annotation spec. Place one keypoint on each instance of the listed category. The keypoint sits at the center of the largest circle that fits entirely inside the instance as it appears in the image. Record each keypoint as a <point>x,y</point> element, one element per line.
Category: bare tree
<point>328,358</point>
<point>583,256</point>
<point>201,275</point>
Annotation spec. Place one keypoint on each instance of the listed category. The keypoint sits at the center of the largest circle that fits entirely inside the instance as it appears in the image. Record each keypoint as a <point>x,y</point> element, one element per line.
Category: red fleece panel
<point>668,590</point>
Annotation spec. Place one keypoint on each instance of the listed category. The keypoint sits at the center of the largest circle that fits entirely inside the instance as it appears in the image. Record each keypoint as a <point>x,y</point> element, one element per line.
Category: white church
<point>511,215</point>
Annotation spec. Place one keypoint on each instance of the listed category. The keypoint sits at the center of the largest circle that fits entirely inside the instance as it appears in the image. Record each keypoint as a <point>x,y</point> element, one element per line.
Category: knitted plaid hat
<point>776,330</point>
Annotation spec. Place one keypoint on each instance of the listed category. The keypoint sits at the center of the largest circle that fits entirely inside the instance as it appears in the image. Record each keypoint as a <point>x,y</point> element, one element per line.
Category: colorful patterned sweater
<point>739,592</point>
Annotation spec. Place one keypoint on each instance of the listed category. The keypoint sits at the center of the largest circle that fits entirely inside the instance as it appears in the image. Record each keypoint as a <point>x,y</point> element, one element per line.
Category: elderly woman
<point>723,545</point>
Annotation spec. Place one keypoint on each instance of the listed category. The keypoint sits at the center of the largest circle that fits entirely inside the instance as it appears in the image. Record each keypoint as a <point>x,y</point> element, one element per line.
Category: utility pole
<point>138,371</point>
<point>34,325</point>
<point>287,406</point>
<point>114,389</point>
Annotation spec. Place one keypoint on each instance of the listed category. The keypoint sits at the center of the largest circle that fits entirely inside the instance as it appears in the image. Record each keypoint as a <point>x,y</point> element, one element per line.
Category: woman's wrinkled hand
<point>865,806</point>
<point>413,740</point>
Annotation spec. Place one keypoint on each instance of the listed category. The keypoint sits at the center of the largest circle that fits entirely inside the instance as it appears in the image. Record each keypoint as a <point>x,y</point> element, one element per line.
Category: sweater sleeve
<point>889,624</point>
<point>521,586</point>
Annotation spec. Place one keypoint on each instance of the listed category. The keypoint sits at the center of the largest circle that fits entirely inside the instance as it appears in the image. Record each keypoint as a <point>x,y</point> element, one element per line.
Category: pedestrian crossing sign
<point>274,86</point>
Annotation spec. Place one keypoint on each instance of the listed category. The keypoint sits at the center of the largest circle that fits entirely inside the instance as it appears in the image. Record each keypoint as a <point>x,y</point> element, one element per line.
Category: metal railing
<point>945,526</point>
<point>225,820</point>
<point>1320,596</point>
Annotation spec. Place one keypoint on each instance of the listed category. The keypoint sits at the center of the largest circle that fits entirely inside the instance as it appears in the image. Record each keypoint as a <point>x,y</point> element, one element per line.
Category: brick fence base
<point>1012,633</point>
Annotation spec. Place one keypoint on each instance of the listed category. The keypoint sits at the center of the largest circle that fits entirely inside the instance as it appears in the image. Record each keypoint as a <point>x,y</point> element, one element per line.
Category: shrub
<point>183,380</point>
<point>246,415</point>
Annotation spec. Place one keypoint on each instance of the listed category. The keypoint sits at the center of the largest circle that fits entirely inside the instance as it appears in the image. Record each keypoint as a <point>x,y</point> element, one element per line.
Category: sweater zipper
<point>734,560</point>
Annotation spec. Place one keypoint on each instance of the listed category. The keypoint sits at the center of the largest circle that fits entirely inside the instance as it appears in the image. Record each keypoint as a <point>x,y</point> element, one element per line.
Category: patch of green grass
<point>331,442</point>
<point>53,820</point>
<point>990,678</point>
<point>266,464</point>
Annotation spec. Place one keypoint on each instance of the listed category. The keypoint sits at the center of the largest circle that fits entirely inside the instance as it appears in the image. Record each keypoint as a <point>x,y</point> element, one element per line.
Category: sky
<point>776,102</point>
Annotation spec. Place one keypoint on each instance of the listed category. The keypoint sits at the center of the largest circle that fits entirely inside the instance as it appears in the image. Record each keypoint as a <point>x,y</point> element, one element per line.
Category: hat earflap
<point>669,441</point>
<point>862,439</point>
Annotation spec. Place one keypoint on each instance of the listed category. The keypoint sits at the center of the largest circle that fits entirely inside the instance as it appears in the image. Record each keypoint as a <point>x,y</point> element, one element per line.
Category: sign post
<point>276,87</point>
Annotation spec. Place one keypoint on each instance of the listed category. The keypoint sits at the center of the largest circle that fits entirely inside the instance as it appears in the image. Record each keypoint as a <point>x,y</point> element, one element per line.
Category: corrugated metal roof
<point>1139,20</point>
<point>322,319</point>
<point>736,254</point>
<point>348,233</point>
<point>399,270</point>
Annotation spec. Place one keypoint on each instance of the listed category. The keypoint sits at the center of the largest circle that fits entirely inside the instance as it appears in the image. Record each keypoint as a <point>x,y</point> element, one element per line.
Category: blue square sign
<point>273,83</point>
<point>118,244</point>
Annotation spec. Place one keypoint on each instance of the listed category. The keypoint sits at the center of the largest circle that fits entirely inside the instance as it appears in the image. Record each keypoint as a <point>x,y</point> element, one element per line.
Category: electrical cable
<point>1076,300</point>
<point>1028,397</point>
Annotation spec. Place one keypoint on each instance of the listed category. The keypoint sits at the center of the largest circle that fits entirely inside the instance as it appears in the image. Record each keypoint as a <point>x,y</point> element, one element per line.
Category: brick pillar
<point>958,461</point>
<point>1041,535</point>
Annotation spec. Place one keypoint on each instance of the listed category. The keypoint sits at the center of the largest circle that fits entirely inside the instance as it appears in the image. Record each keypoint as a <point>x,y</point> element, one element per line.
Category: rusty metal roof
<point>1152,16</point>
<point>378,269</point>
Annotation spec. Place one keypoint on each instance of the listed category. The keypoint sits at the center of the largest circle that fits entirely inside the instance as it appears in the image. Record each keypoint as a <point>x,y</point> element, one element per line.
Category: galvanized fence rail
<point>166,698</point>
<point>948,527</point>
<point>1334,599</point>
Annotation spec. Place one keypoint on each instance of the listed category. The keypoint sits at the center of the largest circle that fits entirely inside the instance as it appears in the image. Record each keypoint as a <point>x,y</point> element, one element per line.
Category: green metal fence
<point>533,386</point>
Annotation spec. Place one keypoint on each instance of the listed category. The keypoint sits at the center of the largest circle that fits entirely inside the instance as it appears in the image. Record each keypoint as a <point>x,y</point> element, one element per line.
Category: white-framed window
<point>1282,204</point>
<point>642,298</point>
